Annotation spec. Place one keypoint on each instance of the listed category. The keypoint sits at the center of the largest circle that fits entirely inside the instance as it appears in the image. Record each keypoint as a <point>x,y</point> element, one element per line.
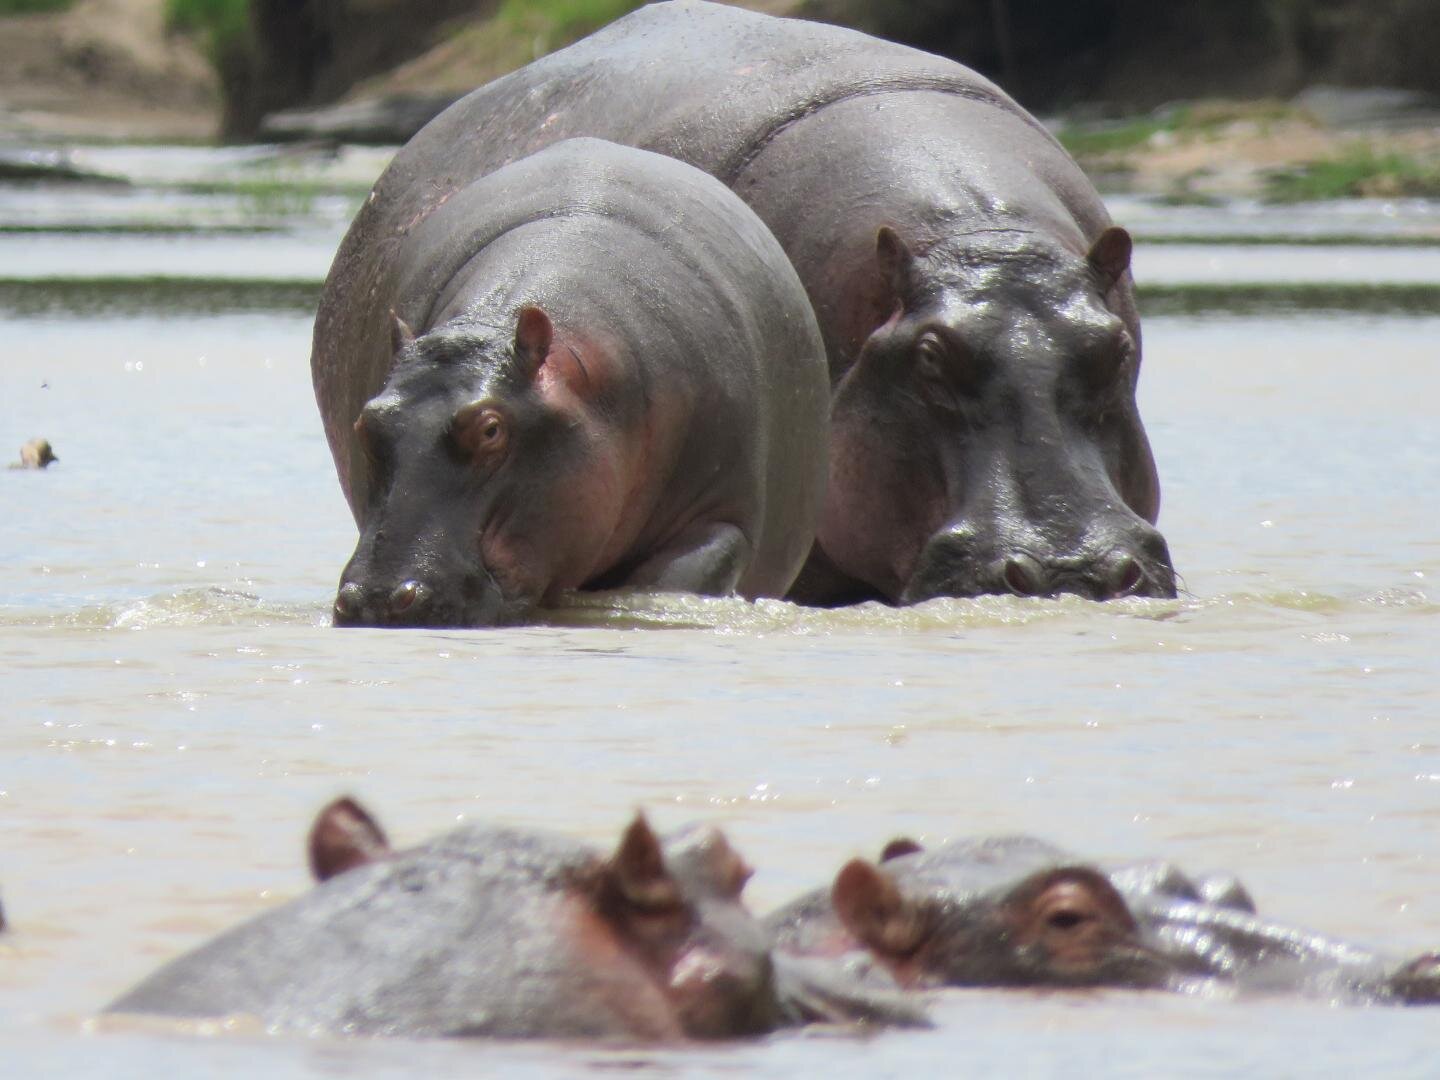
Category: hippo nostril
<point>1125,575</point>
<point>347,601</point>
<point>1023,575</point>
<point>408,595</point>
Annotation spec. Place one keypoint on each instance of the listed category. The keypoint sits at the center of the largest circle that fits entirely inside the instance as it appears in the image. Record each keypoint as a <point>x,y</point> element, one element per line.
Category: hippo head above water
<point>987,440</point>
<point>1058,925</point>
<point>455,530</point>
<point>1017,911</point>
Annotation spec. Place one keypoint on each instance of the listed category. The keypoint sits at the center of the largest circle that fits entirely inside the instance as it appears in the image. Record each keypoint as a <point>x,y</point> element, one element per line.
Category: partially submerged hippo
<point>602,372</point>
<point>508,933</point>
<point>1017,911</point>
<point>36,454</point>
<point>976,302</point>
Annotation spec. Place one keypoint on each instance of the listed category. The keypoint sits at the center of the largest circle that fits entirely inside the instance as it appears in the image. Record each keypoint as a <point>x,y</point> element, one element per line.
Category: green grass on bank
<point>1092,141</point>
<point>216,22</point>
<point>30,7</point>
<point>1360,172</point>
<point>545,25</point>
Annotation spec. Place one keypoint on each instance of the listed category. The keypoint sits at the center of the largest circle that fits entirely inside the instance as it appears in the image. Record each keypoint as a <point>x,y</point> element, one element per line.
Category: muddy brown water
<point>176,706</point>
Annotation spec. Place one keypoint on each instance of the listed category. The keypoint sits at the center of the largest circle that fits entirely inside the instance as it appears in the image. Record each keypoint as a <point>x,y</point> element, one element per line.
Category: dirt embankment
<point>103,69</point>
<point>107,69</point>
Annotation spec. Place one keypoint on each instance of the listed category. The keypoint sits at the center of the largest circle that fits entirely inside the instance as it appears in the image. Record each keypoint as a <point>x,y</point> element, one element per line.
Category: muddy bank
<point>103,69</point>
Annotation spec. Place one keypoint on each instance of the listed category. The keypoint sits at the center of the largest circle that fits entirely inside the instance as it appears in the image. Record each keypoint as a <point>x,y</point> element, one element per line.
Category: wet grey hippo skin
<point>975,300</point>
<point>1017,911</point>
<point>593,368</point>
<point>509,933</point>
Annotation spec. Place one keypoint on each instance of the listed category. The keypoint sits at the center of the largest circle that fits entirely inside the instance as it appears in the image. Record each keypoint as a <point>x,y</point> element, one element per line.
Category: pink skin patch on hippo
<point>561,539</point>
<point>630,989</point>
<point>868,496</point>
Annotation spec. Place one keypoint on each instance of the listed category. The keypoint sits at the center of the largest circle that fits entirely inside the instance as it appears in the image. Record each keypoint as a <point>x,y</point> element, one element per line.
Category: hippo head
<point>987,440</point>
<point>466,450</point>
<point>1009,917</point>
<point>669,907</point>
<point>680,904</point>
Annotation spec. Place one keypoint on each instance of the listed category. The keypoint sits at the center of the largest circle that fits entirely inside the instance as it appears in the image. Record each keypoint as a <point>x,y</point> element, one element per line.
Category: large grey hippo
<point>1018,911</point>
<point>591,368</point>
<point>510,933</point>
<point>975,300</point>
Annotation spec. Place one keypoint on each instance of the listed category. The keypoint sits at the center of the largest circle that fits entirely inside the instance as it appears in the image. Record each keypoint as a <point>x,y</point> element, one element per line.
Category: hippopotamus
<point>1018,911</point>
<point>600,371</point>
<point>975,298</point>
<point>510,933</point>
<point>35,454</point>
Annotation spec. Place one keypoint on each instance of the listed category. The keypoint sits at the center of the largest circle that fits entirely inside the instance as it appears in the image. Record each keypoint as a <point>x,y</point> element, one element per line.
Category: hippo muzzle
<point>421,592</point>
<point>1131,559</point>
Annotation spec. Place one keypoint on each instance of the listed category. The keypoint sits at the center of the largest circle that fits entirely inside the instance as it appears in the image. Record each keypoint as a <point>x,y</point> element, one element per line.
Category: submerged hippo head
<point>987,439</point>
<point>496,932</point>
<point>1047,925</point>
<point>479,481</point>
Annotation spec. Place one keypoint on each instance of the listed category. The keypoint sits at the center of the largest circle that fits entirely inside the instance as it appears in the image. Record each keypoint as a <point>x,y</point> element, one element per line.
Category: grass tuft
<point>219,23</point>
<point>1360,172</point>
<point>30,7</point>
<point>546,25</point>
<point>1182,123</point>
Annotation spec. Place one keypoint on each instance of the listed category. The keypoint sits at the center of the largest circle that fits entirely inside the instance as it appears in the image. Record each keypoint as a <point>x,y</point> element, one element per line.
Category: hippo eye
<point>1066,919</point>
<point>939,371</point>
<point>479,431</point>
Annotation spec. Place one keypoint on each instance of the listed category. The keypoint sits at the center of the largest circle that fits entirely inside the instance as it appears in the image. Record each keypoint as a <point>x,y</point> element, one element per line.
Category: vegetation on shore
<point>1359,171</point>
<point>1288,155</point>
<point>219,23</point>
<point>550,24</point>
<point>1095,142</point>
<point>30,7</point>
<point>524,30</point>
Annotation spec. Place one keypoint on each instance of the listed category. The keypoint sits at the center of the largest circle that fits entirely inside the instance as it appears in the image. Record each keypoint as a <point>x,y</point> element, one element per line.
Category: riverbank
<point>107,71</point>
<point>103,70</point>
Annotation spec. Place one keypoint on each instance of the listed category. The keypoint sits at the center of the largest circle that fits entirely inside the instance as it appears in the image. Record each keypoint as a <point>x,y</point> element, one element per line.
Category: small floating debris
<point>35,454</point>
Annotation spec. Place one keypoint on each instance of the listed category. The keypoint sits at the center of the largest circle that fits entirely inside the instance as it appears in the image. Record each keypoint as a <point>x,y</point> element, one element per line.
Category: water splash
<point>213,606</point>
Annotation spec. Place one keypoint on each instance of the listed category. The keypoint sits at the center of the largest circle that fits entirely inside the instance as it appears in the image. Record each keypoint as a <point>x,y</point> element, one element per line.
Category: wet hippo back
<point>975,303</point>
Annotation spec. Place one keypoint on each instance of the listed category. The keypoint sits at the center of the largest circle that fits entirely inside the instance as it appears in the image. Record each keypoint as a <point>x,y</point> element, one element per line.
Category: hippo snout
<point>1136,562</point>
<point>415,602</point>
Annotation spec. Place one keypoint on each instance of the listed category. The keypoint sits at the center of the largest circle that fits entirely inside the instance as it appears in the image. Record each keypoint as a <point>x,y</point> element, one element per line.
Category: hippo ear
<point>901,845</point>
<point>400,333</point>
<point>343,837</point>
<point>871,908</point>
<point>1110,256</point>
<point>533,334</point>
<point>896,262</point>
<point>637,869</point>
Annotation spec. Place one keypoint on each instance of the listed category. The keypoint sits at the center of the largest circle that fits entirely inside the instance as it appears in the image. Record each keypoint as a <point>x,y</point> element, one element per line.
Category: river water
<point>176,706</point>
